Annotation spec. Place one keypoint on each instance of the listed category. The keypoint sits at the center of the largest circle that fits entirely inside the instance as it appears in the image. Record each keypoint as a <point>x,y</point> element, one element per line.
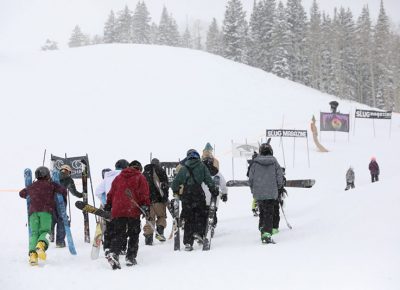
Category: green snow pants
<point>40,224</point>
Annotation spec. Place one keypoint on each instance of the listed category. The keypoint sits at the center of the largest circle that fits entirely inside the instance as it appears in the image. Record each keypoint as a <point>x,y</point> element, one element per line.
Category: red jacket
<point>128,187</point>
<point>42,194</point>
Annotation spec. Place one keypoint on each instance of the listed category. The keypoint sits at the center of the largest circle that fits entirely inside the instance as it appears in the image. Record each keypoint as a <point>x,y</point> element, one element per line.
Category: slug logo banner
<point>334,122</point>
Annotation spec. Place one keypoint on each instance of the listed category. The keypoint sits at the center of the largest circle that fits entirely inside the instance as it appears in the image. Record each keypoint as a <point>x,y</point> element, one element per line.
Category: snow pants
<point>158,217</point>
<point>374,177</point>
<point>121,229</point>
<point>40,224</point>
<point>194,215</point>
<point>268,210</point>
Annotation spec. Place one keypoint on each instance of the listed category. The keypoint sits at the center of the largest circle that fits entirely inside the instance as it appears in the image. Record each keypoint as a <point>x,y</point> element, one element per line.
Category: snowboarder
<point>191,175</point>
<point>266,178</point>
<point>42,206</point>
<point>158,185</point>
<point>58,224</point>
<point>350,178</point>
<point>127,198</point>
<point>374,169</point>
<point>101,192</point>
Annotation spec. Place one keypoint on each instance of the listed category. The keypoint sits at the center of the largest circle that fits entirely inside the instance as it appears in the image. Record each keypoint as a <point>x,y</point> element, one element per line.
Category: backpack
<point>193,194</point>
<point>209,163</point>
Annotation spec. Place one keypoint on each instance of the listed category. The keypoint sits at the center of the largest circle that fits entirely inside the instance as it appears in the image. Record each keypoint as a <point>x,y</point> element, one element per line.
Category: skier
<point>374,169</point>
<point>191,176</point>
<point>101,192</point>
<point>127,198</point>
<point>266,178</point>
<point>158,185</point>
<point>58,224</point>
<point>42,206</point>
<point>350,178</point>
<point>223,189</point>
<point>208,155</point>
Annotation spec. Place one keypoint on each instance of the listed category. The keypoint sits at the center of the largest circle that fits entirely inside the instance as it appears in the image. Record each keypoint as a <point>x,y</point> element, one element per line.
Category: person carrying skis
<point>223,195</point>
<point>374,170</point>
<point>127,199</point>
<point>58,224</point>
<point>42,205</point>
<point>191,175</point>
<point>158,184</point>
<point>254,205</point>
<point>350,178</point>
<point>101,192</point>
<point>265,179</point>
<point>208,155</point>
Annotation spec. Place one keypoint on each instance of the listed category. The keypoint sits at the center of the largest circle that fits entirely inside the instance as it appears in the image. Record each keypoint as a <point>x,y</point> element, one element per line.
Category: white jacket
<point>222,189</point>
<point>105,185</point>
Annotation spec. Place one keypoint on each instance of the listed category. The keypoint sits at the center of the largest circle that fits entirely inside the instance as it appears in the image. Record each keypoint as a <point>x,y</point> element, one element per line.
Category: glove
<point>145,211</point>
<point>214,191</point>
<point>107,207</point>
<point>224,197</point>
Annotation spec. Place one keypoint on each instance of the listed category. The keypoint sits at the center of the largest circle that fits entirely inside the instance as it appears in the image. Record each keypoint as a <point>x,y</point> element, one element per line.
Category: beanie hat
<point>208,147</point>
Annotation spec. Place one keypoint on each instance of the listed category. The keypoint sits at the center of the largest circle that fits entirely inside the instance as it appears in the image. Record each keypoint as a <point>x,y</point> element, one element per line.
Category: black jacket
<point>158,188</point>
<point>69,184</point>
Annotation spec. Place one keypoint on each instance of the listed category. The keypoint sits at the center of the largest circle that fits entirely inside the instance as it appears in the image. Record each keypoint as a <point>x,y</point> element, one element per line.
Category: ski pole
<point>287,223</point>
<point>130,195</point>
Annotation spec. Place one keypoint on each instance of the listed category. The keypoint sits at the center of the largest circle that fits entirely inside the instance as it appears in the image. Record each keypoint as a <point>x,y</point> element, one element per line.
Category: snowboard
<point>55,175</point>
<point>173,207</point>
<point>98,238</point>
<point>85,200</point>
<point>87,208</point>
<point>28,182</point>
<point>301,183</point>
<point>210,220</point>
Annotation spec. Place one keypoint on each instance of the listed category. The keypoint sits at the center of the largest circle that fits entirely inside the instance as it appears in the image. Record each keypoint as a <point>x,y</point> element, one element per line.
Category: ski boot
<point>188,247</point>
<point>199,238</point>
<point>130,261</point>
<point>113,259</point>
<point>160,234</point>
<point>266,238</point>
<point>60,245</point>
<point>148,240</point>
<point>33,259</point>
<point>41,250</point>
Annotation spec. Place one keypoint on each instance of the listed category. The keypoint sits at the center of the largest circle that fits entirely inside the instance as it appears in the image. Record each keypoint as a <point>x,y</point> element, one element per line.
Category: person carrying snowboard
<point>158,185</point>
<point>58,224</point>
<point>266,178</point>
<point>191,175</point>
<point>42,205</point>
<point>350,178</point>
<point>101,192</point>
<point>127,198</point>
<point>374,170</point>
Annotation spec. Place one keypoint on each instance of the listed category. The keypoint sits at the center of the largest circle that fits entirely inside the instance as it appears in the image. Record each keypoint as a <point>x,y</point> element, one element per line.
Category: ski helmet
<point>155,161</point>
<point>42,172</point>
<point>266,149</point>
<point>103,172</point>
<point>192,154</point>
<point>121,164</point>
<point>136,164</point>
<point>67,168</point>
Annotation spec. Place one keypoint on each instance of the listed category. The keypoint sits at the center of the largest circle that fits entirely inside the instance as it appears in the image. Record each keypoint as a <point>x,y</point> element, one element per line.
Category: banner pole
<point>354,125</point>
<point>294,149</point>
<point>283,153</point>
<point>233,170</point>
<point>44,156</point>
<point>308,153</point>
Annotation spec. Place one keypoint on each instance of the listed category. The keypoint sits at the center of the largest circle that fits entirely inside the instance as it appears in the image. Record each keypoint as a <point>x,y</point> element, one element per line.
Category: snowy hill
<point>125,101</point>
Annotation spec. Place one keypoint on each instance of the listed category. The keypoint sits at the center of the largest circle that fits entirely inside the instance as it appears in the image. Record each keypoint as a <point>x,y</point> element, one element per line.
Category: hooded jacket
<point>105,185</point>
<point>265,177</point>
<point>129,191</point>
<point>158,182</point>
<point>374,167</point>
<point>350,175</point>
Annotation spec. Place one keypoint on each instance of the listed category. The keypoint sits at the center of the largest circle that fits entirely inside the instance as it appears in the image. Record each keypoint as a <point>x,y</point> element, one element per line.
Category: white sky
<point>32,21</point>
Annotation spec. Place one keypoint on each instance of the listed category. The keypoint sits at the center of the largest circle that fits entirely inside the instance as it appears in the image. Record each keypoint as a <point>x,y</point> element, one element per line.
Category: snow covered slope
<point>125,101</point>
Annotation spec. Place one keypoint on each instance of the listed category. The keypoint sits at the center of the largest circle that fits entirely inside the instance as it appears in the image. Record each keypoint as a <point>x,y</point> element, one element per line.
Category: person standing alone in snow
<point>350,178</point>
<point>266,179</point>
<point>42,205</point>
<point>374,169</point>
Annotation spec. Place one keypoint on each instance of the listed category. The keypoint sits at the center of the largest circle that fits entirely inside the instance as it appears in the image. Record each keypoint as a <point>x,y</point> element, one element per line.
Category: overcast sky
<point>30,22</point>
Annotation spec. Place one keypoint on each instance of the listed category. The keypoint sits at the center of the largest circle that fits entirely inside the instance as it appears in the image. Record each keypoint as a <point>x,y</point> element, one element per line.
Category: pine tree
<point>327,81</point>
<point>109,29</point>
<point>49,45</point>
<point>314,40</point>
<point>167,30</point>
<point>77,38</point>
<point>123,26</point>
<point>187,41</point>
<point>280,44</point>
<point>153,33</point>
<point>297,21</point>
<point>383,71</point>
<point>197,41</point>
<point>235,32</point>
<point>141,30</point>
<point>214,39</point>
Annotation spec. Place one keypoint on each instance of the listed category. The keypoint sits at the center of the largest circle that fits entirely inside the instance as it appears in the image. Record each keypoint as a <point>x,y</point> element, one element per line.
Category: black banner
<point>286,133</point>
<point>170,168</point>
<point>335,122</point>
<point>369,114</point>
<point>73,162</point>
